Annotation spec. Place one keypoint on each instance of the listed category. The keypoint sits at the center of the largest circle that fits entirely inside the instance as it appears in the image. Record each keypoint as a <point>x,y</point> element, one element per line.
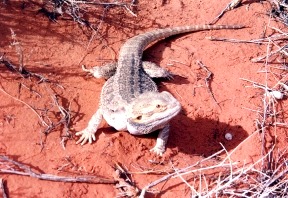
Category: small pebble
<point>277,94</point>
<point>228,136</point>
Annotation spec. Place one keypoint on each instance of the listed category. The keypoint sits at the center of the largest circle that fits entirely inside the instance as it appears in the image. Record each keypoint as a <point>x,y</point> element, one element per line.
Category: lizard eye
<point>139,117</point>
<point>158,106</point>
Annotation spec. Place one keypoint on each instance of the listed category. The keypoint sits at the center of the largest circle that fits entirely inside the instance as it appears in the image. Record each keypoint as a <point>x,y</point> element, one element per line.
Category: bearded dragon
<point>129,99</point>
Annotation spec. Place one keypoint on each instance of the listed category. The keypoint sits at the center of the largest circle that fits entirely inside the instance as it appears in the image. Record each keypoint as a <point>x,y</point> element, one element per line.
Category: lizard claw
<point>86,135</point>
<point>158,150</point>
<point>170,75</point>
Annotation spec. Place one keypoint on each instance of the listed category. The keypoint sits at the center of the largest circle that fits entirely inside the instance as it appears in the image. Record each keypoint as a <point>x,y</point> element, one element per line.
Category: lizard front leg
<point>161,141</point>
<point>88,134</point>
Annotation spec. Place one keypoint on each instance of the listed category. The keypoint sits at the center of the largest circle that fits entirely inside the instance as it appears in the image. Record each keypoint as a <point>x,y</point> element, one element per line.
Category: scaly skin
<point>129,99</point>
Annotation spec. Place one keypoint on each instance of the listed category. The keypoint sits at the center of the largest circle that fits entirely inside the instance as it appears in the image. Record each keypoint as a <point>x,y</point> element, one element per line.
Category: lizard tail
<point>142,40</point>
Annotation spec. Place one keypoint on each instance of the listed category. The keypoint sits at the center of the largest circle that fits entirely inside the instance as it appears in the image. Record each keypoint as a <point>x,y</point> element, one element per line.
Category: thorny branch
<point>13,167</point>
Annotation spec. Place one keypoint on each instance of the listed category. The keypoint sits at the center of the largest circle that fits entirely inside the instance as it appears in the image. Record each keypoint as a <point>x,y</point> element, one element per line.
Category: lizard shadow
<point>201,136</point>
<point>176,79</point>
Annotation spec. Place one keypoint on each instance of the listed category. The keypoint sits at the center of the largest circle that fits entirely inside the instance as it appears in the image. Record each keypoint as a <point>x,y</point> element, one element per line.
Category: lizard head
<point>151,110</point>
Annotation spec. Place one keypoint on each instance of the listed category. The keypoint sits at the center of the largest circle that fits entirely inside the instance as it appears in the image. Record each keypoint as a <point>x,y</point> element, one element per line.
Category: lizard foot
<point>158,150</point>
<point>86,135</point>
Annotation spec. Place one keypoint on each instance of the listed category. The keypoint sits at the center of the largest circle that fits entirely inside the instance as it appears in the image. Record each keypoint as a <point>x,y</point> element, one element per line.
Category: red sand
<point>57,50</point>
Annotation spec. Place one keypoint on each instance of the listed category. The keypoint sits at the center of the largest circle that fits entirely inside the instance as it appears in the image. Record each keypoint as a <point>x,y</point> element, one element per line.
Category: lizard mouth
<point>154,122</point>
<point>168,115</point>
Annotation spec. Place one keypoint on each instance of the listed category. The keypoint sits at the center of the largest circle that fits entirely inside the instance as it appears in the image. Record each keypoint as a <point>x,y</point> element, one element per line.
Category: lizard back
<point>130,80</point>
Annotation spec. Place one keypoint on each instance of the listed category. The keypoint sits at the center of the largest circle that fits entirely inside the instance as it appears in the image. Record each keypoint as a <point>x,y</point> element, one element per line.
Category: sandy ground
<point>56,50</point>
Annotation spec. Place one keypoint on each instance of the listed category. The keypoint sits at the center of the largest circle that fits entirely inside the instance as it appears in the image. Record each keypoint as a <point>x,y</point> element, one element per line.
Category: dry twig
<point>230,179</point>
<point>280,37</point>
<point>125,184</point>
<point>2,187</point>
<point>77,9</point>
<point>13,167</point>
<point>277,37</point>
<point>230,6</point>
<point>208,80</point>
<point>280,10</point>
<point>29,106</point>
<point>165,178</point>
<point>43,117</point>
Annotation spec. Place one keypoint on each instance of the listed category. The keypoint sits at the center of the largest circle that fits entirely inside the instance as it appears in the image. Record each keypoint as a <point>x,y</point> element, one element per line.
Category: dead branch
<point>269,109</point>
<point>29,106</point>
<point>167,177</point>
<point>20,69</point>
<point>18,48</point>
<point>18,168</point>
<point>230,6</point>
<point>66,116</point>
<point>280,10</point>
<point>66,121</point>
<point>253,182</point>
<point>142,170</point>
<point>127,6</point>
<point>279,50</point>
<point>208,80</point>
<point>77,9</point>
<point>2,187</point>
<point>278,37</point>
<point>44,119</point>
<point>125,184</point>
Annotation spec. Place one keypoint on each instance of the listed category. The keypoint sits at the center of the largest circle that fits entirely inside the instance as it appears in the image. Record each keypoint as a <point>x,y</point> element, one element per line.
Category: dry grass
<point>226,177</point>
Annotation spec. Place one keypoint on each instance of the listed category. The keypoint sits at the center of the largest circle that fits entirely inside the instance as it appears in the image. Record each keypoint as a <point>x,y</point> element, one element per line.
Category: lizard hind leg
<point>105,71</point>
<point>108,70</point>
<point>155,71</point>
